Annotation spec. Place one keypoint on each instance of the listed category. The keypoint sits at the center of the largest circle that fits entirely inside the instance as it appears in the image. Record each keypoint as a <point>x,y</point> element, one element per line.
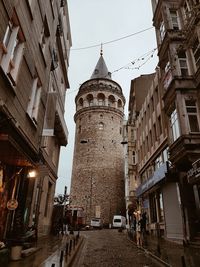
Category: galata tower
<point>97,182</point>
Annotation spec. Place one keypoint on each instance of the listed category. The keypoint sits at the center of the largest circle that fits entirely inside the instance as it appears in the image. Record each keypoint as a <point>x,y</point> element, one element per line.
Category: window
<point>174,125</point>
<point>81,102</point>
<point>162,30</point>
<point>158,162</point>
<point>182,63</point>
<point>192,116</point>
<point>186,10</point>
<point>167,66</point>
<point>45,33</point>
<point>111,101</point>
<point>119,103</point>
<point>159,126</point>
<point>132,135</point>
<point>34,100</point>
<point>101,99</point>
<point>133,158</point>
<point>153,214</point>
<point>174,19</point>
<point>196,52</point>
<point>101,126</point>
<point>90,99</point>
<point>7,36</point>
<point>12,46</point>
<point>165,154</point>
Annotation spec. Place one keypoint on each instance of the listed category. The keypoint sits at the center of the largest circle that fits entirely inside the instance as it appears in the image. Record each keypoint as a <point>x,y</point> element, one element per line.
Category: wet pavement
<point>51,251</point>
<point>47,246</point>
<point>171,253</point>
<point>98,252</point>
<point>110,248</point>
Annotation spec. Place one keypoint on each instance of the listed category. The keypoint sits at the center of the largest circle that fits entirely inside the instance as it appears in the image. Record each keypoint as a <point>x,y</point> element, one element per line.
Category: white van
<point>96,223</point>
<point>119,221</point>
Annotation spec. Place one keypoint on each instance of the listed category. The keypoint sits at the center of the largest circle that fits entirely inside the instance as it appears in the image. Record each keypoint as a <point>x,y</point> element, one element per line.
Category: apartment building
<point>155,180</point>
<point>177,25</point>
<point>34,57</point>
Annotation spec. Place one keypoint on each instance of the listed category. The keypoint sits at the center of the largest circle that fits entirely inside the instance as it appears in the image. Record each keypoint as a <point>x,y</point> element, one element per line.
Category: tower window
<point>81,102</point>
<point>101,126</point>
<point>119,103</point>
<point>111,101</point>
<point>90,99</point>
<point>101,99</point>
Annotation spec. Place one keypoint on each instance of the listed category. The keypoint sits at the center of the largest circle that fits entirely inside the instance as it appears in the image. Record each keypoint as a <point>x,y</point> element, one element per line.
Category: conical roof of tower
<point>101,70</point>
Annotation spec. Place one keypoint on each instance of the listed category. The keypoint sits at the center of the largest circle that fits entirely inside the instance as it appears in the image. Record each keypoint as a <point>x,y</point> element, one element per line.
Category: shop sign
<point>158,175</point>
<point>12,204</point>
<point>194,173</point>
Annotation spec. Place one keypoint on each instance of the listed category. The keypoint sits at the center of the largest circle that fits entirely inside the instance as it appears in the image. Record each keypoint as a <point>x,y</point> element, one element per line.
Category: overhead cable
<point>112,41</point>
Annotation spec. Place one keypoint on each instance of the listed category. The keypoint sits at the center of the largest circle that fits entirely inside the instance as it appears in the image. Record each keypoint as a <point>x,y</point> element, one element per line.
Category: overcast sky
<point>105,21</point>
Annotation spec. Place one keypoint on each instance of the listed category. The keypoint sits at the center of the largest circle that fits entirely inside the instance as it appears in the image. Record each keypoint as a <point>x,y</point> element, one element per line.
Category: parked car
<point>96,223</point>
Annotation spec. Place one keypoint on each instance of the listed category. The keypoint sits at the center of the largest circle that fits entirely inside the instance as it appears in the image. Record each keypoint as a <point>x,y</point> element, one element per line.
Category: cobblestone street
<point>110,248</point>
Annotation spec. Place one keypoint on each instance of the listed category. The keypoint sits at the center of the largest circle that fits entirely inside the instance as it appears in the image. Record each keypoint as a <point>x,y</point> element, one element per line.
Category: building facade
<point>154,176</point>
<point>98,173</point>
<point>168,125</point>
<point>35,40</point>
<point>177,25</point>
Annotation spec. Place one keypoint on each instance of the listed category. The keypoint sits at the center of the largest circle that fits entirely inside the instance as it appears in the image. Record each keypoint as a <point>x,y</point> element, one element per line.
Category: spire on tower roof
<point>101,52</point>
<point>101,70</point>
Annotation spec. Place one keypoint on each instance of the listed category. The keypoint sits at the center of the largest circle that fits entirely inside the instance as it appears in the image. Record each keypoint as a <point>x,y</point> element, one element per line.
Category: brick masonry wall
<point>98,165</point>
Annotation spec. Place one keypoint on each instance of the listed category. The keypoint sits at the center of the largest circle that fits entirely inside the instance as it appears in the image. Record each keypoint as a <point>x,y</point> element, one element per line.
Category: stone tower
<point>98,167</point>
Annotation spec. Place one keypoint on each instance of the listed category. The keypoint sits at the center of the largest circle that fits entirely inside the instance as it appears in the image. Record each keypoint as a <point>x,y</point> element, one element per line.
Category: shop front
<point>193,177</point>
<point>16,188</point>
<point>161,197</point>
<point>151,200</point>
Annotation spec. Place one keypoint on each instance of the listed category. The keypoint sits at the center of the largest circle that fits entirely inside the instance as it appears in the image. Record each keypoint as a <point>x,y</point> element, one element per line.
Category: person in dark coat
<point>143,222</point>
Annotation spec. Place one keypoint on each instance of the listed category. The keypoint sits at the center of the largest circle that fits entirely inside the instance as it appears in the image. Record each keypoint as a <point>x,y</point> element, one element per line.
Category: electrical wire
<point>148,55</point>
<point>112,41</point>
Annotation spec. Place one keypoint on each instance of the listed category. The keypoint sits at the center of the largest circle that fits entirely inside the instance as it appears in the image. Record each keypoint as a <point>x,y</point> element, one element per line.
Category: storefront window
<point>152,199</point>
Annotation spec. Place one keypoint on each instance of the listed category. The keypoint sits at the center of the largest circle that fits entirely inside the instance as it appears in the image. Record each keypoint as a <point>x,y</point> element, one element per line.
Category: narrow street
<point>110,248</point>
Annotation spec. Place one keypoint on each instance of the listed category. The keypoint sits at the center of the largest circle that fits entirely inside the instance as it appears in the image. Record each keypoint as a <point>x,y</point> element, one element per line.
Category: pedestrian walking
<point>139,232</point>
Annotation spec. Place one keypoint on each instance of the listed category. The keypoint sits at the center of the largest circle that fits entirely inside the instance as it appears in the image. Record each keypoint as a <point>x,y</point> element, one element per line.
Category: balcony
<point>184,151</point>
